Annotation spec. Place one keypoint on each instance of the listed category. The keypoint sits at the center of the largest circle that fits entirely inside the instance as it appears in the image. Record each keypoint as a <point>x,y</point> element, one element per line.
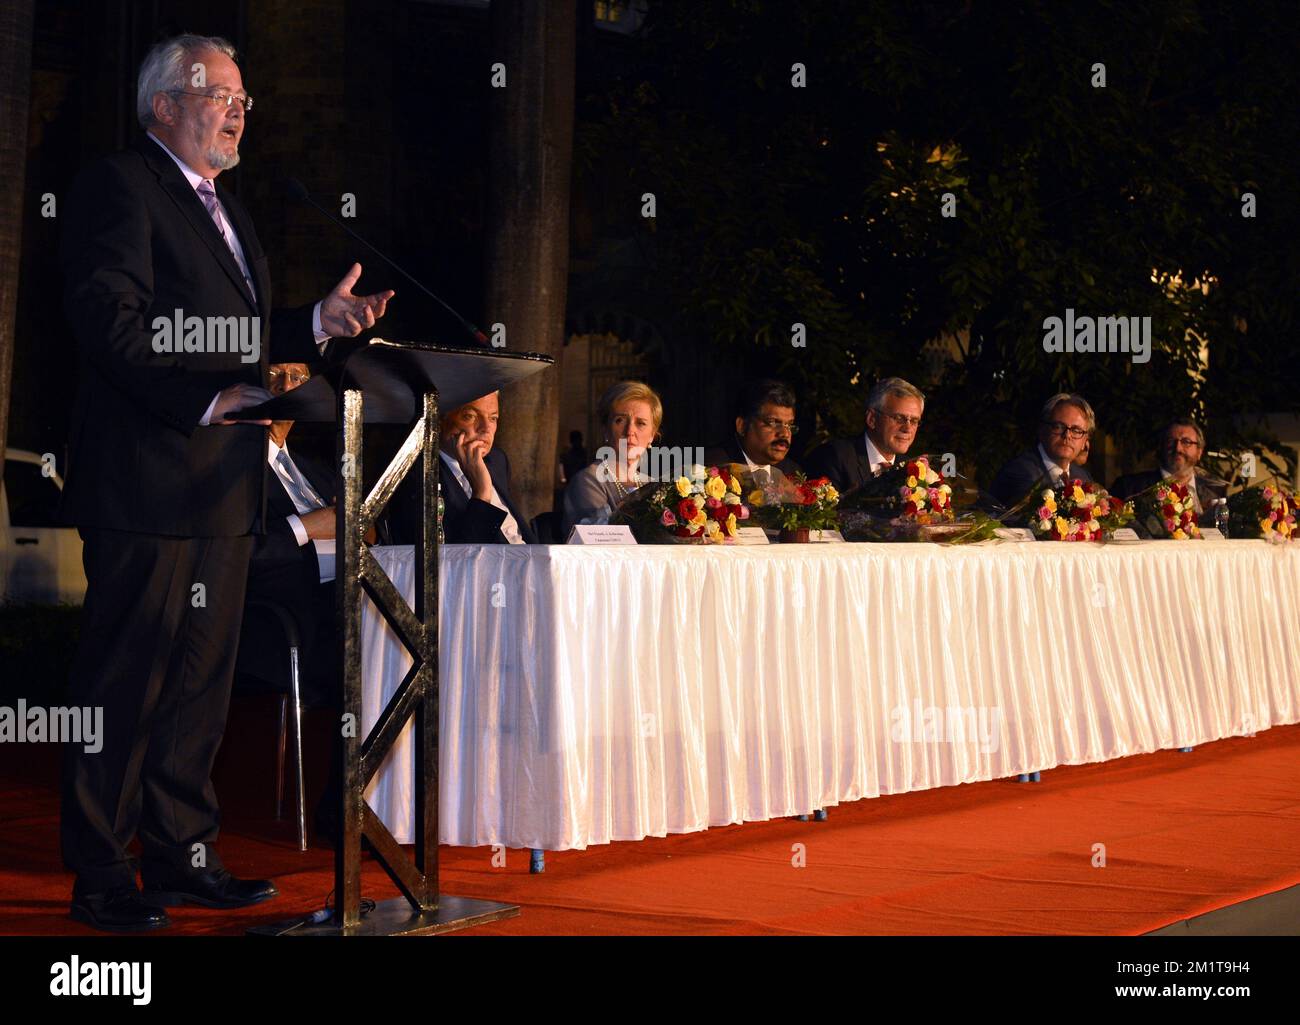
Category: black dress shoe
<point>214,889</point>
<point>119,910</point>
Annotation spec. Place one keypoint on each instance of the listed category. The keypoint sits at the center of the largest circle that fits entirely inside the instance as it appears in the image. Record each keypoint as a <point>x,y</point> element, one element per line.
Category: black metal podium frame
<point>403,377</point>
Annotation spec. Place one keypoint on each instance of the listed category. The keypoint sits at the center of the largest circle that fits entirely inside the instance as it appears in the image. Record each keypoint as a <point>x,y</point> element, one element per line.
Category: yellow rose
<point>698,500</point>
<point>1078,493</point>
<point>756,497</point>
<point>699,519</point>
<point>911,482</point>
<point>1062,525</point>
<point>1179,535</point>
<point>1265,525</point>
<point>715,488</point>
<point>1049,501</point>
<point>731,525</point>
<point>735,485</point>
<point>683,486</point>
<point>930,476</point>
<point>831,494</point>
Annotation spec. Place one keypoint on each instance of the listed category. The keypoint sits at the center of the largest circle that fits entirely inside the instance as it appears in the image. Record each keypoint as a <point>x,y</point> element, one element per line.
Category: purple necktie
<point>209,196</point>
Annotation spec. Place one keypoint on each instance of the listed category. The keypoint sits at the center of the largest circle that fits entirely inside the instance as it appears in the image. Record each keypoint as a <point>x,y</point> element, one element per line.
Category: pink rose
<point>744,513</point>
<point>668,519</point>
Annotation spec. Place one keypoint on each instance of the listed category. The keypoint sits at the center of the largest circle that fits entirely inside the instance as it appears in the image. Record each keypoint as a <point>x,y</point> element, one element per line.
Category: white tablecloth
<point>592,694</point>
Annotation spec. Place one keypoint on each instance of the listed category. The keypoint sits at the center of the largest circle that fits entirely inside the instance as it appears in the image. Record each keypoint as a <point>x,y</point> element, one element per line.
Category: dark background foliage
<point>822,205</point>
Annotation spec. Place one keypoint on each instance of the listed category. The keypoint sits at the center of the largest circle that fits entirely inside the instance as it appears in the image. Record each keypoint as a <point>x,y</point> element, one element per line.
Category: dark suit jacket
<point>1014,481</point>
<point>284,572</point>
<point>466,520</point>
<point>139,244</point>
<point>732,452</point>
<point>1131,483</point>
<point>843,460</point>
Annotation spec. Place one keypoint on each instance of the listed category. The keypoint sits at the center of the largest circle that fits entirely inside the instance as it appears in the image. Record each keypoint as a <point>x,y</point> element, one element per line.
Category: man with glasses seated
<point>894,410</point>
<point>290,565</point>
<point>1065,424</point>
<point>765,428</point>
<point>1179,448</point>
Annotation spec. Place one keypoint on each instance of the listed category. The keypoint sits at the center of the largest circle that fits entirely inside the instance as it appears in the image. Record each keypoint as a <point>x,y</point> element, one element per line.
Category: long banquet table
<point>592,694</point>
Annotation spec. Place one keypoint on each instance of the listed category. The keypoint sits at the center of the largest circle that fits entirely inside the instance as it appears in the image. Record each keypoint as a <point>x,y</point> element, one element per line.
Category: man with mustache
<point>1179,448</point>
<point>894,411</point>
<point>164,487</point>
<point>764,429</point>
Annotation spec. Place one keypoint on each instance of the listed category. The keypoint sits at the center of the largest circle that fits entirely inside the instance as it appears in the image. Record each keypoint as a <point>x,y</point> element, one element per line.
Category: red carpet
<point>1183,834</point>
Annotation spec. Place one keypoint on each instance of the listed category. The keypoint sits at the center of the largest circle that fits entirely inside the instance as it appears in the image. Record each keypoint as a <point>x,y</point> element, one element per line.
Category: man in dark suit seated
<point>1179,448</point>
<point>894,411</point>
<point>1065,424</point>
<point>764,429</point>
<point>293,565</point>
<point>475,482</point>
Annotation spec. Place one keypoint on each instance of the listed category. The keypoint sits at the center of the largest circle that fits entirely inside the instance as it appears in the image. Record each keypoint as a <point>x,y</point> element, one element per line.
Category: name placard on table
<point>1014,533</point>
<point>601,534</point>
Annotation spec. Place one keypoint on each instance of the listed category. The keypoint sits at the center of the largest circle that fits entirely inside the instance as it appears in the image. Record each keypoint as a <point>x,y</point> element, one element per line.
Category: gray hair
<point>1069,399</point>
<point>165,69</point>
<point>895,386</point>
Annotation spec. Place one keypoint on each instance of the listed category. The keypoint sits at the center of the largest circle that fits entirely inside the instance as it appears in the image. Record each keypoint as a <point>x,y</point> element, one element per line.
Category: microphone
<point>295,189</point>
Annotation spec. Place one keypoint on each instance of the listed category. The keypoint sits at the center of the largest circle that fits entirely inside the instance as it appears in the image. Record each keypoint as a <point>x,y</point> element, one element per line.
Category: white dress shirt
<point>509,526</point>
<point>195,179</point>
<point>1053,468</point>
<point>876,459</point>
<point>753,467</point>
<point>305,499</point>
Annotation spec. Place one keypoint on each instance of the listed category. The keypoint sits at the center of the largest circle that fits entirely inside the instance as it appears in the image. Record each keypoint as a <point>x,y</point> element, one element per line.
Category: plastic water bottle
<point>1221,515</point>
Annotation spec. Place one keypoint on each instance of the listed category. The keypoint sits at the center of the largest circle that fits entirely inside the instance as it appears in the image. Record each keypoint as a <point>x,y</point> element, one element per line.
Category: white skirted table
<point>592,694</point>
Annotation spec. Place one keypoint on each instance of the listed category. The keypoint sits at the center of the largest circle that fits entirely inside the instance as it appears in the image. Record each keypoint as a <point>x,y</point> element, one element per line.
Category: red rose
<point>720,513</point>
<point>910,509</point>
<point>913,469</point>
<point>686,509</point>
<point>807,496</point>
<point>1167,511</point>
<point>1082,515</point>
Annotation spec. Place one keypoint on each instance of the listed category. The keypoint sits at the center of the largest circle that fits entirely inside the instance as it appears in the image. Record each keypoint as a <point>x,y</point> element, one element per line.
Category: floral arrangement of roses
<point>795,502</point>
<point>1166,510</point>
<point>1077,510</point>
<point>1264,510</point>
<point>908,492</point>
<point>705,507</point>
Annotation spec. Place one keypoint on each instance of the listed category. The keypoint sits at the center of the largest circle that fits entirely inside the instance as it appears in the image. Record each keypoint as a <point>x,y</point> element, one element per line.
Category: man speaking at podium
<point>165,489</point>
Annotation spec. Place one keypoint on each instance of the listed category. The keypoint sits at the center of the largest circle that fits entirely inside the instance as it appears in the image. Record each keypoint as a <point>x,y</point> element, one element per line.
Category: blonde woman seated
<point>630,415</point>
